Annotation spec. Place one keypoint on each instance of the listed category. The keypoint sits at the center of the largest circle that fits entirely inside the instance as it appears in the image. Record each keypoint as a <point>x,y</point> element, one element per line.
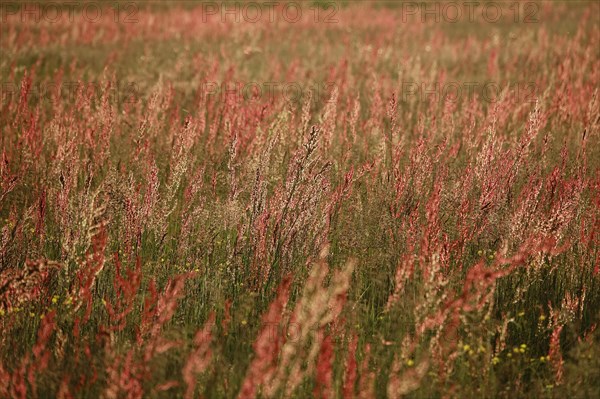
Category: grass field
<point>310,199</point>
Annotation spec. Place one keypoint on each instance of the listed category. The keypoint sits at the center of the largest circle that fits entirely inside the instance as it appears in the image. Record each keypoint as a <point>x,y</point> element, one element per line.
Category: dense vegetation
<point>374,207</point>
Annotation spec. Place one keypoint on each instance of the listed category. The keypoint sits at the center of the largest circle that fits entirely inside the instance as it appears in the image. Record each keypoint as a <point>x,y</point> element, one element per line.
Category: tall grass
<point>161,236</point>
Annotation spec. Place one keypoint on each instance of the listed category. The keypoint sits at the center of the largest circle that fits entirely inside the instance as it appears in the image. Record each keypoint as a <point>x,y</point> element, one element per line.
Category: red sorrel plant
<point>193,204</point>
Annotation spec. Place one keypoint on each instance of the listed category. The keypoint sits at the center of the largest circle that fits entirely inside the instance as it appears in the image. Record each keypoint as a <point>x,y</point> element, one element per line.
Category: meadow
<point>328,200</point>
